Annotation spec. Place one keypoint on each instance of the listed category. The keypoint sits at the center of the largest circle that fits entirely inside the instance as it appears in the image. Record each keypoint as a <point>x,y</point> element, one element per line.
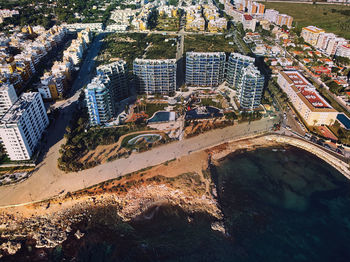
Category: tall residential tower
<point>205,69</point>
<point>155,76</point>
<point>23,125</point>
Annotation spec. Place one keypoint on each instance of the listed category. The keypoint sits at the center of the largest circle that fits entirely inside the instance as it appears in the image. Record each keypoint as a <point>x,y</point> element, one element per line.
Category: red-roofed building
<point>249,23</point>
<point>307,101</point>
<point>321,70</point>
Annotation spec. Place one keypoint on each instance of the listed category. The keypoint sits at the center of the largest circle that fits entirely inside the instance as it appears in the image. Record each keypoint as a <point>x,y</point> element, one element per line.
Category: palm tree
<point>331,121</point>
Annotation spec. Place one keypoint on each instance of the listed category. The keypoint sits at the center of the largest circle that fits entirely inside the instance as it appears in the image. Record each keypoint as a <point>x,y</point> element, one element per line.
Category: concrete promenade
<point>48,181</point>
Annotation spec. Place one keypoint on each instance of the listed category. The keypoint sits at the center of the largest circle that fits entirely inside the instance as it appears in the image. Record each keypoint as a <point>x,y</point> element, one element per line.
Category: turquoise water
<point>278,206</point>
<point>160,117</point>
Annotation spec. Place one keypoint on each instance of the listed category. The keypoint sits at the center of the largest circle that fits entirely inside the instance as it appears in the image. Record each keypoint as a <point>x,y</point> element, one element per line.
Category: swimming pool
<point>162,116</point>
<point>150,138</point>
<point>344,120</point>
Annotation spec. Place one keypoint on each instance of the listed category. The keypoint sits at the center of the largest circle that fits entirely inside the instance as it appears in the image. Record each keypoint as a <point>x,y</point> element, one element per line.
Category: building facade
<point>22,126</point>
<point>8,97</point>
<point>250,88</point>
<point>310,34</point>
<point>344,51</point>
<point>99,100</point>
<point>205,69</point>
<point>235,65</point>
<point>104,92</point>
<point>117,72</point>
<point>307,101</point>
<point>155,76</point>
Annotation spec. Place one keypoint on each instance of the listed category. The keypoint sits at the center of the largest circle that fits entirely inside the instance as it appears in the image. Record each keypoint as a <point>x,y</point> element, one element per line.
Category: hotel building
<point>306,100</point>
<point>205,69</point>
<point>22,126</point>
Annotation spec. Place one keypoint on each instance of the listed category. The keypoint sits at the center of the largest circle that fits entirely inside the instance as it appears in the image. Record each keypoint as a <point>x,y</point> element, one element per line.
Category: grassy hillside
<point>332,18</point>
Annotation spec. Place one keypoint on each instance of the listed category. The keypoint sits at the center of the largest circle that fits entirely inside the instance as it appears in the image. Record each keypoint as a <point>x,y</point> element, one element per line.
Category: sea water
<point>278,205</point>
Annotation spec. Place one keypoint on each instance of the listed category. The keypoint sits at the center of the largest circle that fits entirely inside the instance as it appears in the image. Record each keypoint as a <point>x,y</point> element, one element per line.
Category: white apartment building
<point>271,15</point>
<point>249,23</point>
<point>333,45</point>
<point>82,26</point>
<point>117,27</point>
<point>8,97</point>
<point>22,126</point>
<point>344,51</point>
<point>123,16</point>
<point>323,40</point>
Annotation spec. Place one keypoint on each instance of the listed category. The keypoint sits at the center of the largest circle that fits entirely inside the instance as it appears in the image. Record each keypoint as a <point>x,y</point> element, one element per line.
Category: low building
<point>306,100</point>
<point>82,26</point>
<point>22,126</point>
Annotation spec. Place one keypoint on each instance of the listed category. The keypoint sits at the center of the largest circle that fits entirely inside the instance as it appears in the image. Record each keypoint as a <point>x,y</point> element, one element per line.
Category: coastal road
<point>48,181</point>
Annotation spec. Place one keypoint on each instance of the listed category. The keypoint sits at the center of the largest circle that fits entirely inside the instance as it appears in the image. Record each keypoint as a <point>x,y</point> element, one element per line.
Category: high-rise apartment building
<point>205,69</point>
<point>22,126</point>
<point>250,88</point>
<point>155,76</point>
<point>344,51</point>
<point>99,100</point>
<point>235,65</point>
<point>105,90</point>
<point>323,40</point>
<point>333,45</point>
<point>117,72</point>
<point>310,34</point>
<point>283,19</point>
<point>8,97</point>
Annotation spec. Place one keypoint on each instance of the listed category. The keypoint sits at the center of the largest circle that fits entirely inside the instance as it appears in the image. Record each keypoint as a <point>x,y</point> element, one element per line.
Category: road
<point>179,59</point>
<point>85,74</point>
<point>48,181</point>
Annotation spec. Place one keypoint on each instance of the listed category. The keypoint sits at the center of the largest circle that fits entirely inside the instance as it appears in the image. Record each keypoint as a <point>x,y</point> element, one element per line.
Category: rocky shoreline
<point>185,183</point>
<point>51,228</point>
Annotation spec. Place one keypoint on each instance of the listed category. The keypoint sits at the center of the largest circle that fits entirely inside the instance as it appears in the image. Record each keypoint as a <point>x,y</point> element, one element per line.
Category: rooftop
<point>306,90</point>
<point>313,29</point>
<point>248,17</point>
<point>16,111</point>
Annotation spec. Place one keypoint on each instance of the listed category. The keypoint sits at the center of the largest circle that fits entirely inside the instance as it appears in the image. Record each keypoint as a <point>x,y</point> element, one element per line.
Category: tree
<point>284,27</point>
